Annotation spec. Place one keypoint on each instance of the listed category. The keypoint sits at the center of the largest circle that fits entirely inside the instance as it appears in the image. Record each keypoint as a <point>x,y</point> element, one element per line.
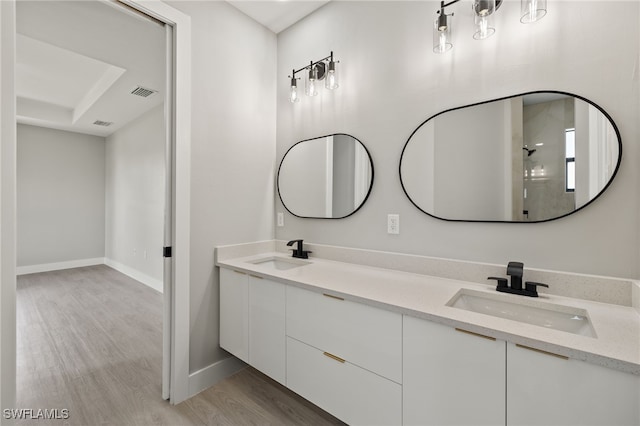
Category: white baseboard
<point>209,376</point>
<point>145,279</point>
<point>57,266</point>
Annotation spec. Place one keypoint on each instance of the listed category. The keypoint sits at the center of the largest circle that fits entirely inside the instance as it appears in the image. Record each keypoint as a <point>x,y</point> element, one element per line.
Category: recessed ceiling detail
<point>72,67</point>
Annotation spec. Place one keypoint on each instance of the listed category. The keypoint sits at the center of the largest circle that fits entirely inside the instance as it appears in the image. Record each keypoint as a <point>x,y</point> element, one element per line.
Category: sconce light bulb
<point>483,27</point>
<point>312,76</point>
<point>293,97</point>
<point>311,87</point>
<point>331,80</point>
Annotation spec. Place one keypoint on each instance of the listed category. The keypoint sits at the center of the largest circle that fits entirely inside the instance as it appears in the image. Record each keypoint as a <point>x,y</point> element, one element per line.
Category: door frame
<point>178,297</point>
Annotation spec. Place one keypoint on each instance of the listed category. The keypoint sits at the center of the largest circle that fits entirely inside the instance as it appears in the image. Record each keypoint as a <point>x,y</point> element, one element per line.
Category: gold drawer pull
<point>332,296</point>
<point>332,356</point>
<point>542,352</point>
<point>256,276</point>
<point>476,334</point>
<point>239,272</point>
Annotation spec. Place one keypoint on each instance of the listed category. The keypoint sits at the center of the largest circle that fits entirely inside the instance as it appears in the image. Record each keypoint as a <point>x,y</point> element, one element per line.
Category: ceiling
<point>77,62</point>
<point>277,15</point>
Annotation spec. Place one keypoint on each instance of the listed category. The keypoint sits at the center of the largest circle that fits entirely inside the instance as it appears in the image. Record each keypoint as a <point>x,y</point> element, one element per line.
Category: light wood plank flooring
<point>90,341</point>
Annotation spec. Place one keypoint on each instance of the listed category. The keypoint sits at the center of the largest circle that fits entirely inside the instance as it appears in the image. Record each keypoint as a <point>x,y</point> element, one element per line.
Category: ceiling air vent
<point>143,92</point>
<point>103,123</point>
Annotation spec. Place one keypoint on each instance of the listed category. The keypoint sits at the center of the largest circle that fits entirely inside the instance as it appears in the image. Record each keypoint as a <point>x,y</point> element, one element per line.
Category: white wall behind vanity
<point>232,153</point>
<point>391,82</point>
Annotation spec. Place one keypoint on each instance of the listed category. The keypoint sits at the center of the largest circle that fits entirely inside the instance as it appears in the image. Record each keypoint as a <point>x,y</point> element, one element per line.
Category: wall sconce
<point>323,69</point>
<point>483,11</point>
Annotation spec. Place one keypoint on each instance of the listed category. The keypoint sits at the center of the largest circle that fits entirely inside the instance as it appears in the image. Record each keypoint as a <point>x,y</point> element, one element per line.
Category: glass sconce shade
<point>483,16</point>
<point>532,10</point>
<point>331,79</point>
<point>311,87</point>
<point>442,33</point>
<point>293,94</point>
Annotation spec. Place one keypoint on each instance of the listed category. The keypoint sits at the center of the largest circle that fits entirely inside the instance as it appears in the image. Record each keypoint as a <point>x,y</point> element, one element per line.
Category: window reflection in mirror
<point>329,177</point>
<point>528,158</point>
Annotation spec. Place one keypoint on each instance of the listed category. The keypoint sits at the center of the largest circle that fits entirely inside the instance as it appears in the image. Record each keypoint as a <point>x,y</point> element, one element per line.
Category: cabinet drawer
<point>365,336</point>
<point>350,393</point>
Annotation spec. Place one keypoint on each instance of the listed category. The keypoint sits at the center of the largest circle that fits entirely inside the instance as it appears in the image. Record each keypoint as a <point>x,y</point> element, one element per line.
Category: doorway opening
<point>94,183</point>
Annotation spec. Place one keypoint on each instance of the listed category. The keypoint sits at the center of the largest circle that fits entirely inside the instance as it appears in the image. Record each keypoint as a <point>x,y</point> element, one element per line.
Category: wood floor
<point>90,341</point>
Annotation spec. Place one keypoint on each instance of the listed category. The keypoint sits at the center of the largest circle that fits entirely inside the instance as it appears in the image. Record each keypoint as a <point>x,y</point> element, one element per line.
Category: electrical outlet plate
<point>393,224</point>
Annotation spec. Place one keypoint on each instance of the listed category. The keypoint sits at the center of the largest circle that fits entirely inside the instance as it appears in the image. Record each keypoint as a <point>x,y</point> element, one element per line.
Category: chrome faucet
<point>515,270</point>
<point>299,252</point>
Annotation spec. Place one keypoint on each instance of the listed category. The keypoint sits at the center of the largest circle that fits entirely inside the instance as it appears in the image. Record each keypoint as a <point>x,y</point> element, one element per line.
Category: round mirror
<point>328,177</point>
<point>532,157</point>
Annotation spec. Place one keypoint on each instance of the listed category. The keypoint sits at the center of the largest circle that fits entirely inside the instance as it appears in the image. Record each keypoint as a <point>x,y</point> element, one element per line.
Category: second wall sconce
<point>323,69</point>
<point>483,12</point>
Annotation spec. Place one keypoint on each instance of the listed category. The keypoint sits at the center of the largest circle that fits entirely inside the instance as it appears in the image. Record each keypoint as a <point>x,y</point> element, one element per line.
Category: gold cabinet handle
<point>332,296</point>
<point>332,356</point>
<point>476,334</point>
<point>256,276</point>
<point>542,352</point>
<point>239,272</point>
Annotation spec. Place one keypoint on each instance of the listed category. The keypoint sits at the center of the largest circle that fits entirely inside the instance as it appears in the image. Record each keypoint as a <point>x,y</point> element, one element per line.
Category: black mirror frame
<point>615,172</point>
<point>320,137</point>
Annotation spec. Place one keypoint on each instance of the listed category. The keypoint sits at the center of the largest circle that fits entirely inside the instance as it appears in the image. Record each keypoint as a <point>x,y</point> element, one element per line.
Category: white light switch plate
<point>393,224</point>
<point>280,219</point>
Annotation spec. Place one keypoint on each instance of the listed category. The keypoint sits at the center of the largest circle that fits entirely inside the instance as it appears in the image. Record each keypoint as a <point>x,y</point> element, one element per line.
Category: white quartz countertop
<point>617,328</point>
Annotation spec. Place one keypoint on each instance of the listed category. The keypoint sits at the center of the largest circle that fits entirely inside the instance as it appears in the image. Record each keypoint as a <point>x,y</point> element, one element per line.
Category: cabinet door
<point>234,314</point>
<point>543,389</point>
<point>267,350</point>
<point>351,393</point>
<point>451,377</point>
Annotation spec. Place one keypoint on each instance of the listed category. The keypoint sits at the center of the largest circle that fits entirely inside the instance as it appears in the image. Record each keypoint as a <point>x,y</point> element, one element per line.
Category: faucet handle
<point>532,288</point>
<point>515,268</point>
<point>502,282</point>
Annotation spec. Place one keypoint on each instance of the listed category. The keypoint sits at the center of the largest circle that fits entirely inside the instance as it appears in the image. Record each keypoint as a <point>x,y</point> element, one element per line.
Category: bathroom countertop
<point>617,344</point>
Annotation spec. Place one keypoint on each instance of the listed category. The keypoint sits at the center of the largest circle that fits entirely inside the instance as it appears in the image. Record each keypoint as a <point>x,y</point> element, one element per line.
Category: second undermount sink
<point>280,263</point>
<point>558,317</point>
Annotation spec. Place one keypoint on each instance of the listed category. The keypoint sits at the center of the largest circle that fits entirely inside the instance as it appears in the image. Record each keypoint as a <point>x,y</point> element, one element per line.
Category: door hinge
<point>166,251</point>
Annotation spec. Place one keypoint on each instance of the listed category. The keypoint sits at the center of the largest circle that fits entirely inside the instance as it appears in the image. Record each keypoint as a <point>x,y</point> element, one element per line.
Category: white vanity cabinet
<point>451,376</point>
<point>543,389</point>
<point>345,357</point>
<point>252,323</point>
<point>371,366</point>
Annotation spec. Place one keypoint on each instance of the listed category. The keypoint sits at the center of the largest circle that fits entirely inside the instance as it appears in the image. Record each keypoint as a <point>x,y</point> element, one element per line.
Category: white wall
<point>233,152</point>
<point>135,198</point>
<point>391,82</point>
<point>60,203</point>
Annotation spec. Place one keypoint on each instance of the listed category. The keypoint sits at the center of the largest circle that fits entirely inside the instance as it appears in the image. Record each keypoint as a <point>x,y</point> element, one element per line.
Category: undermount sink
<point>280,263</point>
<point>557,317</point>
